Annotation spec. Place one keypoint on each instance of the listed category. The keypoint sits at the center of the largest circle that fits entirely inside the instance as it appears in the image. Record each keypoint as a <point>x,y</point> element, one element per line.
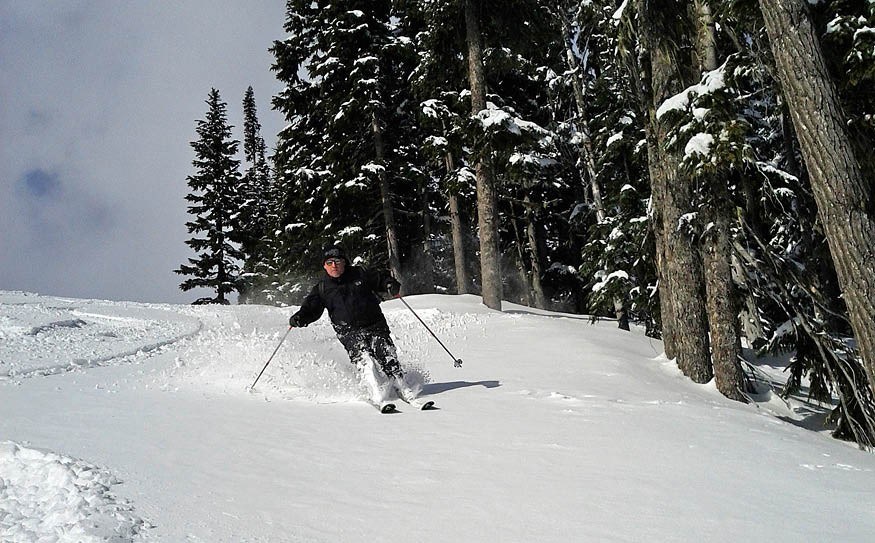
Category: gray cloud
<point>98,102</point>
<point>40,184</point>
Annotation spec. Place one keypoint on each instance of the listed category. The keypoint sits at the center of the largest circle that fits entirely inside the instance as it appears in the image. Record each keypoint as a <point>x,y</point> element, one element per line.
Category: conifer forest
<point>703,169</point>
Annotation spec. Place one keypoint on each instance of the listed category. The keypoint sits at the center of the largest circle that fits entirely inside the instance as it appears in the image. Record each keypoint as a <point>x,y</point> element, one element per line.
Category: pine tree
<point>256,202</point>
<point>502,139</point>
<point>341,162</point>
<point>439,85</point>
<point>603,138</point>
<point>214,201</point>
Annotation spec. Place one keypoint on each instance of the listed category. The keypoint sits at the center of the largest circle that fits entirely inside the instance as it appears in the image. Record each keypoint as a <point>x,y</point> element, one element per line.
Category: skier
<point>350,294</point>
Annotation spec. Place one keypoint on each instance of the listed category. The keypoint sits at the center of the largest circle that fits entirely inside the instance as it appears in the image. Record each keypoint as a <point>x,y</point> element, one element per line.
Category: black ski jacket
<point>351,299</point>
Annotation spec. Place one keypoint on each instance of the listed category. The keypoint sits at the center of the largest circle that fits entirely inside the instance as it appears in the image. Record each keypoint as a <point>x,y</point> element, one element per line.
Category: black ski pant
<point>374,341</point>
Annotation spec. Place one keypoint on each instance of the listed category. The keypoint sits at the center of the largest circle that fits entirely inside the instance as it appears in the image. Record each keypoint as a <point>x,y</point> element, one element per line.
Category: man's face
<point>334,267</point>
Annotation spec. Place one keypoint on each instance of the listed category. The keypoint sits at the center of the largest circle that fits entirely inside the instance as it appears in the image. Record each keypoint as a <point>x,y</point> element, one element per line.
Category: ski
<point>419,404</point>
<point>385,407</point>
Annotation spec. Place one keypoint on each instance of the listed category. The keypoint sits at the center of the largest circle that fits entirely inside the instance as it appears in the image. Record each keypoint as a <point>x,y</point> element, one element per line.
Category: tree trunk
<point>843,194</point>
<point>722,317</point>
<point>657,190</point>
<point>426,266</point>
<point>641,73</point>
<point>538,298</point>
<point>717,249</point>
<point>487,209</point>
<point>524,297</point>
<point>681,276</point>
<point>386,197</point>
<point>460,254</point>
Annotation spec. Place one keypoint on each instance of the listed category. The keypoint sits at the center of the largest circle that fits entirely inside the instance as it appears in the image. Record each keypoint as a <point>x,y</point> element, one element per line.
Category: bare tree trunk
<point>460,254</point>
<point>843,194</point>
<point>538,298</point>
<point>526,296</point>
<point>487,209</point>
<point>658,189</point>
<point>640,72</point>
<point>681,274</point>
<point>706,44</point>
<point>386,197</point>
<point>722,317</point>
<point>717,249</point>
<point>426,266</point>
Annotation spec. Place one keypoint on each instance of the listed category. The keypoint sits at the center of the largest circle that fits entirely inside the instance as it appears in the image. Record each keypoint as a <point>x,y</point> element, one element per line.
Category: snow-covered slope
<point>132,422</point>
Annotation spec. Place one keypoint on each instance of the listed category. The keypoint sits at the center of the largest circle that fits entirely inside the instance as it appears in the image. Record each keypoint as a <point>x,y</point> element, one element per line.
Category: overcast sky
<point>98,104</point>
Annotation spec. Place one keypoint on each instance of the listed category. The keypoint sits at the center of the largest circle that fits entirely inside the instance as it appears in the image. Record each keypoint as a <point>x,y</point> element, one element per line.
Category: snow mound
<point>48,497</point>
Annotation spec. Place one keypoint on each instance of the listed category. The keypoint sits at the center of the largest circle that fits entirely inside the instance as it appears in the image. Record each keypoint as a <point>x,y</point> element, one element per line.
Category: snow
<point>769,168</point>
<point>494,117</point>
<point>614,139</point>
<point>349,231</point>
<point>131,422</point>
<point>437,141</point>
<point>46,493</point>
<point>863,32</point>
<point>711,82</point>
<point>531,159</point>
<point>366,60</point>
<point>491,117</point>
<point>430,108</point>
<point>699,144</point>
<point>835,25</point>
<point>618,14</point>
<point>604,279</point>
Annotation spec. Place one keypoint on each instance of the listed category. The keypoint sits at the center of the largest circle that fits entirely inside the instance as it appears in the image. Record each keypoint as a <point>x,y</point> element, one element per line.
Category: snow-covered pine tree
<point>506,140</point>
<point>602,135</point>
<point>699,152</point>
<point>214,201</point>
<point>256,202</point>
<point>438,82</point>
<point>338,159</point>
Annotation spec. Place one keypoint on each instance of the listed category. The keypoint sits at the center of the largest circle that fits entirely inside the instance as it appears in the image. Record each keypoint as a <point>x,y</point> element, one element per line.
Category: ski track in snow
<point>44,336</point>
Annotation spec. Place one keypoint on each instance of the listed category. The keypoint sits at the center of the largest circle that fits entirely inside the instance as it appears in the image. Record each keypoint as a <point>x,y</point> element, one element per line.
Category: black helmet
<point>333,251</point>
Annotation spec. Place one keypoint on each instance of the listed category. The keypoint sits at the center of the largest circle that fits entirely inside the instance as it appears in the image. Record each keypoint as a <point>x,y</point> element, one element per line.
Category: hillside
<point>124,421</point>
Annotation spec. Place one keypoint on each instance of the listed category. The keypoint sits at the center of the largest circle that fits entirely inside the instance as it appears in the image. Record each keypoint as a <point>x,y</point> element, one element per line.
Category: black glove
<point>295,321</point>
<point>393,287</point>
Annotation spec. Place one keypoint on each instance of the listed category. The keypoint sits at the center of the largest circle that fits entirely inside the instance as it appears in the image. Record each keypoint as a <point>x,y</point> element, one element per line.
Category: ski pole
<point>457,362</point>
<point>271,358</point>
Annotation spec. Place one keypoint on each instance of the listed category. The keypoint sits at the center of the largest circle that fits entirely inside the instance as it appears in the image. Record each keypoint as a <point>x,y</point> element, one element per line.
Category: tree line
<point>701,168</point>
